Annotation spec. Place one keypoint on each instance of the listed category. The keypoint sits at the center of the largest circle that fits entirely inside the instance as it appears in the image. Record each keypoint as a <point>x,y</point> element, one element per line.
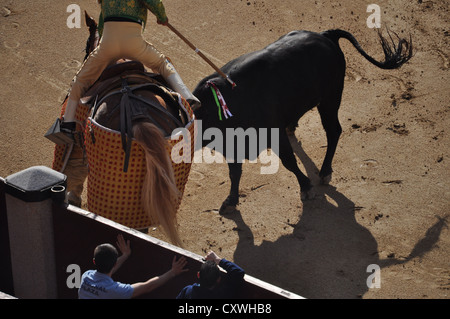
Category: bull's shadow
<point>327,254</point>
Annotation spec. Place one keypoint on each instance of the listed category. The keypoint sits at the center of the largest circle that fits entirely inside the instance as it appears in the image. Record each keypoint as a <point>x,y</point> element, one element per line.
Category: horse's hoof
<point>290,132</point>
<point>73,199</point>
<point>227,209</point>
<point>308,195</point>
<point>325,180</point>
<point>143,230</point>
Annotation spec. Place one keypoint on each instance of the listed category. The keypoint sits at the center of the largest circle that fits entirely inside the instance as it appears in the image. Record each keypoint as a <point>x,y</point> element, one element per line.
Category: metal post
<point>29,196</point>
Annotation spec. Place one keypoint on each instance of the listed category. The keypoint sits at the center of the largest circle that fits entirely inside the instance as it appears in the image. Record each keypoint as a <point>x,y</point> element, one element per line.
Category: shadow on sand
<point>328,253</point>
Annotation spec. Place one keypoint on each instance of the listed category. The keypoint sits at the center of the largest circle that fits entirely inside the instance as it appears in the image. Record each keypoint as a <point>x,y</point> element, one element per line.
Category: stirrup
<point>61,133</point>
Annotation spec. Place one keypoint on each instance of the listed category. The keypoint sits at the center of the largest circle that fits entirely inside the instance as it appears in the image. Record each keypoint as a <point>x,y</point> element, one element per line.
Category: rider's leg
<point>175,82</point>
<point>90,71</point>
<point>152,58</point>
<point>86,76</point>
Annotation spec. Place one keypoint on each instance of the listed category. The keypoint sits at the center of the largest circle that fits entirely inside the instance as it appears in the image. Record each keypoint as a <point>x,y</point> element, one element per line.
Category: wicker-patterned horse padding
<point>113,193</point>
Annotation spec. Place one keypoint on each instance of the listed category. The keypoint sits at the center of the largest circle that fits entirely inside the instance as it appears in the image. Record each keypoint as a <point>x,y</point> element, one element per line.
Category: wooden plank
<point>78,232</point>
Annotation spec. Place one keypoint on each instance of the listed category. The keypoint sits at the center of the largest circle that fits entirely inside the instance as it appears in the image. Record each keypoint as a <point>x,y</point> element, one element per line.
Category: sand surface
<point>388,202</point>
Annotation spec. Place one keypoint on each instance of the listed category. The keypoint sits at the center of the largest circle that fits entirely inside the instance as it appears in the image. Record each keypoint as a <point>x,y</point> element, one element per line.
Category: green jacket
<point>132,9</point>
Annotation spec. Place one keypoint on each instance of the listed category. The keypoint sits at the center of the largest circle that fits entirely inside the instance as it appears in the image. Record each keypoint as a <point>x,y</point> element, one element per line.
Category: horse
<point>137,106</point>
<point>276,86</point>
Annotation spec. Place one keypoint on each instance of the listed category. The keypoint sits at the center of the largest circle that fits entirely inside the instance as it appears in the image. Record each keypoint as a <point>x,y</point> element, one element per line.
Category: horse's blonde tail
<point>160,195</point>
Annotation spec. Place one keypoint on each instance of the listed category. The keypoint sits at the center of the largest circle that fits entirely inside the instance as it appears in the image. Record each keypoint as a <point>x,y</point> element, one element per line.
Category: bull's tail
<point>159,192</point>
<point>395,55</point>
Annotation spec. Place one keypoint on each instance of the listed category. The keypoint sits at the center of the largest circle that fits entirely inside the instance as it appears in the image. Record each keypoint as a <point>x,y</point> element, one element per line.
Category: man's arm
<point>125,249</point>
<point>155,282</point>
<point>233,270</point>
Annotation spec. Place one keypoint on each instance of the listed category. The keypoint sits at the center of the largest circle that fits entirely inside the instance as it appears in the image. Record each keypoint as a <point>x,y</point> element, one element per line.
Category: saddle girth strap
<point>126,127</point>
<point>128,113</point>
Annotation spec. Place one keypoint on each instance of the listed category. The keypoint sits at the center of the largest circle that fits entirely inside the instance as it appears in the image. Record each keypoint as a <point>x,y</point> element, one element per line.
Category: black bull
<point>280,83</point>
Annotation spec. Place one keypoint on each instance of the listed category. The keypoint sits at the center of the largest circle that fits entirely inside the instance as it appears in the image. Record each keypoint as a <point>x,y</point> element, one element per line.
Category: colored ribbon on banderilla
<point>220,101</point>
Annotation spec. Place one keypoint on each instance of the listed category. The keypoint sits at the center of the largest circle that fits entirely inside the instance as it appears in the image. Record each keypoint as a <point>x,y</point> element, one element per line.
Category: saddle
<point>123,79</point>
<point>134,72</point>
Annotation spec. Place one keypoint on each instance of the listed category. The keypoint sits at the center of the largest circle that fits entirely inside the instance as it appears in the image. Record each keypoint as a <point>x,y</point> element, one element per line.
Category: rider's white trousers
<point>120,40</point>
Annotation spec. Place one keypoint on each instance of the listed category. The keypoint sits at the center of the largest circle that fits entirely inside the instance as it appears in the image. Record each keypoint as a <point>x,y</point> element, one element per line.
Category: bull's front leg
<point>235,172</point>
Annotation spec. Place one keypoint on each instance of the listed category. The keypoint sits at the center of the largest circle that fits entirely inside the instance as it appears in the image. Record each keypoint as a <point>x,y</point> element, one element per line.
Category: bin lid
<point>34,184</point>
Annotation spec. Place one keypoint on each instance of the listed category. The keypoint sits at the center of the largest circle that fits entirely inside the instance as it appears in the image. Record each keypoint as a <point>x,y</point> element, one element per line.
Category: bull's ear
<point>90,22</point>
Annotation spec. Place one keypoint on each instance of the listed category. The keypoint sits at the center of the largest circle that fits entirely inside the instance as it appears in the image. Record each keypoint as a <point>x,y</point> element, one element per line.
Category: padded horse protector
<point>115,194</point>
<point>111,192</point>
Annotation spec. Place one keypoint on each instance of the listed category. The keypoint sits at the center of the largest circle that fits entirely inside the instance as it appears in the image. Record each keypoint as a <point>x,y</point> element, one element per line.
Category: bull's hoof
<point>290,132</point>
<point>308,195</point>
<point>325,180</point>
<point>229,205</point>
<point>227,208</point>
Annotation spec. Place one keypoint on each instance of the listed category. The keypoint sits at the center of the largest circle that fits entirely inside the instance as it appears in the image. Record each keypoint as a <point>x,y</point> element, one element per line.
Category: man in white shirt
<point>98,284</point>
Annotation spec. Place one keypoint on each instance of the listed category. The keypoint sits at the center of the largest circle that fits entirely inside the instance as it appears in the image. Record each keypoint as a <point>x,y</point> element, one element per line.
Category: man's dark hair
<point>209,273</point>
<point>105,257</point>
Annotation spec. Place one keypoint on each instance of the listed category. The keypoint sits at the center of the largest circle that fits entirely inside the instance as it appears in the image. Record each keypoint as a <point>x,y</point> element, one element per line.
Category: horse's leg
<point>76,171</point>
<point>289,161</point>
<point>328,110</point>
<point>235,173</point>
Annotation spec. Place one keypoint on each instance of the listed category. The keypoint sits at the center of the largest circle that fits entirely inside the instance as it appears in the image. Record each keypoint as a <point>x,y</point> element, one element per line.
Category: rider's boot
<point>176,83</point>
<point>68,125</point>
<point>63,131</point>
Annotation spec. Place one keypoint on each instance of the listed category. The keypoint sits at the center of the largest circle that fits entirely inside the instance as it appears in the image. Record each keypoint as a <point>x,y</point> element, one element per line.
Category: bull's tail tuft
<point>395,54</point>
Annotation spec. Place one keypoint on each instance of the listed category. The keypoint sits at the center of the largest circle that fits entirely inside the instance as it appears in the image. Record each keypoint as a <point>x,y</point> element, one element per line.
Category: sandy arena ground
<point>388,202</point>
